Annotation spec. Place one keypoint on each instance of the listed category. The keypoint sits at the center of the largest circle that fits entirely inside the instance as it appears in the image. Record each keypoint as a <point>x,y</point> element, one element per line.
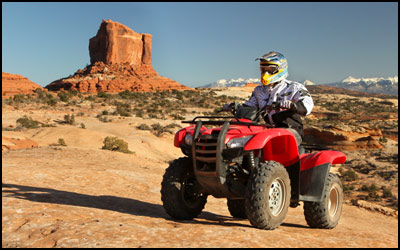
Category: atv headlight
<point>188,139</point>
<point>238,142</point>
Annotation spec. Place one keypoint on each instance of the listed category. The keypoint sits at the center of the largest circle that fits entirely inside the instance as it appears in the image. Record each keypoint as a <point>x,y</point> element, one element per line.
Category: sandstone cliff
<point>12,84</point>
<point>120,60</point>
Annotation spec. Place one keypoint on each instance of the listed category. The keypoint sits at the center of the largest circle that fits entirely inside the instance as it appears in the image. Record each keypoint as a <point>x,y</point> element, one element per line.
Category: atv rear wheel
<point>180,192</point>
<point>236,208</point>
<point>326,214</point>
<point>268,195</point>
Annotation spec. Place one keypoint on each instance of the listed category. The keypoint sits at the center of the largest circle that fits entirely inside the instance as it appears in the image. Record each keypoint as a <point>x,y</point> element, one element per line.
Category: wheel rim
<point>276,196</point>
<point>333,202</point>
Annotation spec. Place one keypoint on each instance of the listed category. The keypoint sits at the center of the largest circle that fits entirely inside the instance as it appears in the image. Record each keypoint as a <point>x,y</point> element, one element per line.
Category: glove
<point>287,104</point>
<point>227,107</point>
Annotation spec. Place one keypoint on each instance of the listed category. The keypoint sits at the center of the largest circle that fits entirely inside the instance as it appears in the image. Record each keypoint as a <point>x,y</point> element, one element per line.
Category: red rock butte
<point>12,84</point>
<point>120,60</point>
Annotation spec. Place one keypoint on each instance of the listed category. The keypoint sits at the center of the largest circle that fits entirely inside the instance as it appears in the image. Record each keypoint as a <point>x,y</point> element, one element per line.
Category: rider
<point>292,97</point>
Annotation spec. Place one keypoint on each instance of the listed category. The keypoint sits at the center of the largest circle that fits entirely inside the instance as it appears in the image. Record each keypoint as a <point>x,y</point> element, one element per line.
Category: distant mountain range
<point>377,85</point>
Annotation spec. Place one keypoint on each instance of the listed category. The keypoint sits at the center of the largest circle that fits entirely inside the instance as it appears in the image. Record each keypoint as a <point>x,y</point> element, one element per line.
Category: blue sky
<point>196,43</point>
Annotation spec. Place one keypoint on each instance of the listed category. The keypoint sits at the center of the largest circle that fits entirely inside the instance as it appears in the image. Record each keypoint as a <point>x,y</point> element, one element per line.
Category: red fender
<point>279,145</point>
<point>318,158</point>
<point>180,135</point>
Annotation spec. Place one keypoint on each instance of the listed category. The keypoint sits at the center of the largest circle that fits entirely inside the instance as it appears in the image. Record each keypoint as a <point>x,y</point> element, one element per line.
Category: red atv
<point>258,169</point>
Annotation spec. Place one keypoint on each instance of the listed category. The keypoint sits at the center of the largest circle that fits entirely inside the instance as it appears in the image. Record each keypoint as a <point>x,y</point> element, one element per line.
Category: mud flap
<point>312,182</point>
<point>314,171</point>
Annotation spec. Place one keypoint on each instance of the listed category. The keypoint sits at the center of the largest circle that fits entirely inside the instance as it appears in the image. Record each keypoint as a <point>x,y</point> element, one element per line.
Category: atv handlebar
<point>237,122</point>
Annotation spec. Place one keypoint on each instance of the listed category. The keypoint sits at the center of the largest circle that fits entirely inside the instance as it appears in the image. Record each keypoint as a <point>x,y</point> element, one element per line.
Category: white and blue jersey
<point>283,91</point>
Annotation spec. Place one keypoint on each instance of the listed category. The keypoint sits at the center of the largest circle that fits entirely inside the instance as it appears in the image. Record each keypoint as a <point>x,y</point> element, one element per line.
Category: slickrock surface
<point>78,197</point>
<point>82,196</point>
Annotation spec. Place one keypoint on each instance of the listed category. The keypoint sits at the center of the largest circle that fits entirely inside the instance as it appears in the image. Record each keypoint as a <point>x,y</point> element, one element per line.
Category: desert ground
<point>80,195</point>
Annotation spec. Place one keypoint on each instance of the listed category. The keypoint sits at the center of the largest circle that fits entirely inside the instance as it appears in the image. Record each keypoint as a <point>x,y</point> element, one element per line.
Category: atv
<point>256,167</point>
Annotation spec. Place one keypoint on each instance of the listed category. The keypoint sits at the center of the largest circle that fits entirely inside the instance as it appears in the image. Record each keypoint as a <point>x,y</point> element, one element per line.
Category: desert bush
<point>177,117</point>
<point>126,94</point>
<point>138,112</point>
<point>61,142</point>
<point>383,140</point>
<point>348,175</point>
<point>348,188</point>
<point>27,122</point>
<point>143,127</point>
<point>69,119</point>
<point>83,126</point>
<point>64,96</point>
<point>103,95</point>
<point>173,125</point>
<point>104,118</point>
<point>386,193</point>
<point>51,101</point>
<point>116,144</point>
<point>19,98</point>
<point>123,109</point>
<point>158,129</point>
<point>90,98</point>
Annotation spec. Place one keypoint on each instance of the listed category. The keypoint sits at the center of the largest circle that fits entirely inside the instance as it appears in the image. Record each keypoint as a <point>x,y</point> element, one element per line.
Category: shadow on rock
<point>116,204</point>
<point>112,203</point>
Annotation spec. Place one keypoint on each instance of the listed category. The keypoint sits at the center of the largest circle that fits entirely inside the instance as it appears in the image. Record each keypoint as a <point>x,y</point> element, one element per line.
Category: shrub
<point>104,119</point>
<point>61,142</point>
<point>64,96</point>
<point>115,144</point>
<point>348,175</point>
<point>123,109</point>
<point>177,117</point>
<point>28,122</point>
<point>126,94</point>
<point>103,95</point>
<point>386,193</point>
<point>70,119</point>
<point>143,127</point>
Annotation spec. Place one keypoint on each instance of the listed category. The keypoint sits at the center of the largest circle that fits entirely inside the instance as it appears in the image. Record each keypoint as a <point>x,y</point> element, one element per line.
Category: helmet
<point>274,68</point>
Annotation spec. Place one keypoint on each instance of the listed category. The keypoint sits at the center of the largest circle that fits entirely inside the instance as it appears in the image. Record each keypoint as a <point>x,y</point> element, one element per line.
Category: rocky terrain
<point>61,189</point>
<point>120,59</point>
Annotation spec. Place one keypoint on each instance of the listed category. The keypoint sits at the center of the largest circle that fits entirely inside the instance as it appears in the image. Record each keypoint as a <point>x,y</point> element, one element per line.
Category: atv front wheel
<point>268,195</point>
<point>180,192</point>
<point>326,214</point>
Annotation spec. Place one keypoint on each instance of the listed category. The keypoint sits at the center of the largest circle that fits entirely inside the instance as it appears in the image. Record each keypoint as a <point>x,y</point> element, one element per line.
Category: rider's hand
<point>227,107</point>
<point>287,104</point>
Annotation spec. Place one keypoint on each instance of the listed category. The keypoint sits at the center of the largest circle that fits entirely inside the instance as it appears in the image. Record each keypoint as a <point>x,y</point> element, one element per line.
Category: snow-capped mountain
<point>240,82</point>
<point>308,82</point>
<point>377,85</point>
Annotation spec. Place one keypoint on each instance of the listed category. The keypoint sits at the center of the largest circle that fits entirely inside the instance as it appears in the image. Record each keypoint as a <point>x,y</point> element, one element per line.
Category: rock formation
<point>120,60</point>
<point>251,85</point>
<point>343,138</point>
<point>116,43</point>
<point>12,84</point>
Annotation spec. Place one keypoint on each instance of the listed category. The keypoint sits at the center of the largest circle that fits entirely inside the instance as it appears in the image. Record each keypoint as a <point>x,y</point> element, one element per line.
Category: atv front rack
<point>231,122</point>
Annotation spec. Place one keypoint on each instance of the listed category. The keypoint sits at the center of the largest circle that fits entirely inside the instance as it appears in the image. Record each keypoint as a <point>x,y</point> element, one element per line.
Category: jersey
<point>285,90</point>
